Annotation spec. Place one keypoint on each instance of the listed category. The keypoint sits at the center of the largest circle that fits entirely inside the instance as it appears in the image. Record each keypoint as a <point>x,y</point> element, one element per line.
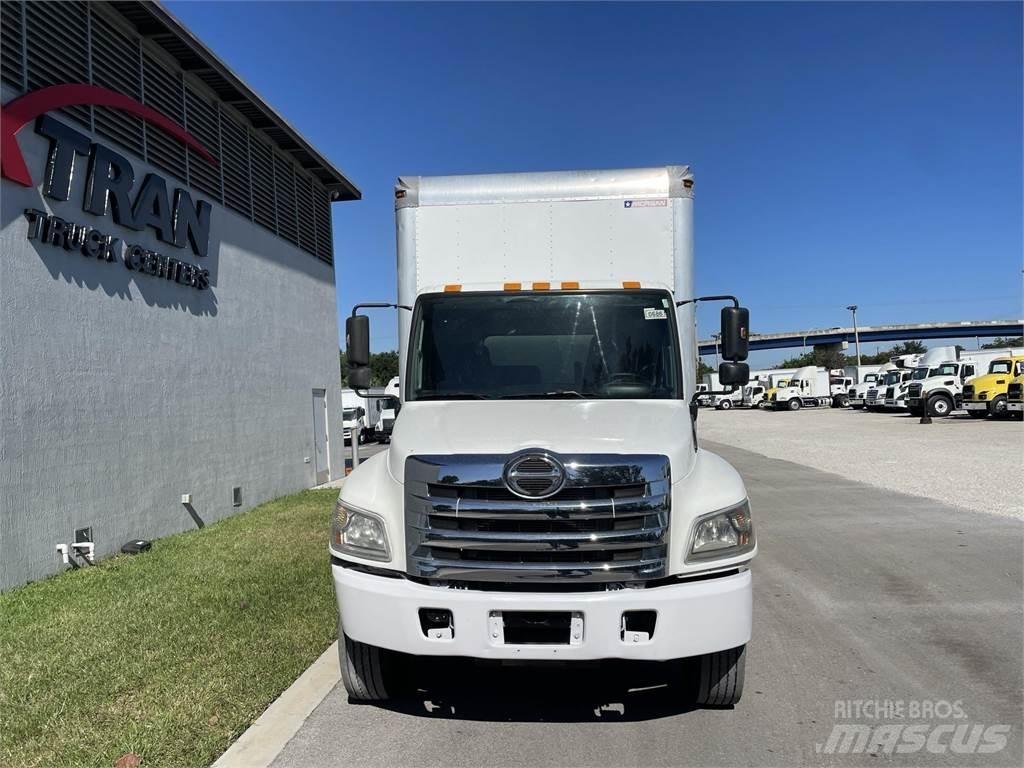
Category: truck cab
<point>986,394</point>
<point>808,387</point>
<point>877,393</point>
<point>544,496</point>
<point>939,387</point>
<point>857,394</point>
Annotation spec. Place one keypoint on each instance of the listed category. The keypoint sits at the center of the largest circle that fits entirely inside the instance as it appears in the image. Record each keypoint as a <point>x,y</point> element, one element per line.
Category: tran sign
<point>111,188</point>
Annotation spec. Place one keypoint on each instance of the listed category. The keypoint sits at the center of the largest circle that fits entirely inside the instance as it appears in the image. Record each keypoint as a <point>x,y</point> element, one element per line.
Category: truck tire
<point>998,407</point>
<point>725,405</point>
<point>367,671</point>
<point>794,404</point>
<point>720,677</point>
<point>940,405</point>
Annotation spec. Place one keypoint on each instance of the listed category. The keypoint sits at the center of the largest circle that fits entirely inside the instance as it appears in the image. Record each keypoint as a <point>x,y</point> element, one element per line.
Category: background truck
<point>543,497</point>
<point>986,394</point>
<point>875,398</point>
<point>858,393</point>
<point>809,387</point>
<point>359,416</point>
<point>839,383</point>
<point>897,394</point>
<point>1015,398</point>
<point>940,384</point>
<point>775,382</point>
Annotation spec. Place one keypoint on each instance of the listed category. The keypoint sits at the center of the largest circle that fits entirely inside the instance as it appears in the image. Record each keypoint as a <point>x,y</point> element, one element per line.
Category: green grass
<point>169,654</point>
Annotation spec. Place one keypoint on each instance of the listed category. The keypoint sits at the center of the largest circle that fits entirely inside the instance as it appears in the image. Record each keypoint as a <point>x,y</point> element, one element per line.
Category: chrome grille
<point>608,522</point>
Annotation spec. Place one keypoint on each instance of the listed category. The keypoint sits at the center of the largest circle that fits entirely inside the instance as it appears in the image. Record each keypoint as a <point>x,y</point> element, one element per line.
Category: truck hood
<point>560,426</point>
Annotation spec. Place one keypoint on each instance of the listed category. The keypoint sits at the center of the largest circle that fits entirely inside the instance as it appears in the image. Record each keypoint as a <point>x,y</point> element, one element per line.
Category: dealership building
<point>168,326</point>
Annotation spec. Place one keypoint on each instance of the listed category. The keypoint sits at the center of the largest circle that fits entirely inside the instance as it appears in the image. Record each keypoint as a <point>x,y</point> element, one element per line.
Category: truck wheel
<point>940,405</point>
<point>998,407</point>
<point>844,401</point>
<point>720,681</point>
<point>794,404</point>
<point>367,671</point>
<point>725,405</point>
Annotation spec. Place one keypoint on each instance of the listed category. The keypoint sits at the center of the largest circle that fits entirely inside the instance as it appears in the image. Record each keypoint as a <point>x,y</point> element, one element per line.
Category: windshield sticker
<point>653,313</point>
<point>665,304</point>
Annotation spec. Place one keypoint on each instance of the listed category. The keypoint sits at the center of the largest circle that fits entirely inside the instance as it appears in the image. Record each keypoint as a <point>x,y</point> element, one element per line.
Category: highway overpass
<point>962,329</point>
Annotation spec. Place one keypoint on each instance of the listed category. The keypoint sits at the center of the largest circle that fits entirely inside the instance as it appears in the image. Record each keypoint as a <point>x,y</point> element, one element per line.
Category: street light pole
<point>856,333</point>
<point>716,337</point>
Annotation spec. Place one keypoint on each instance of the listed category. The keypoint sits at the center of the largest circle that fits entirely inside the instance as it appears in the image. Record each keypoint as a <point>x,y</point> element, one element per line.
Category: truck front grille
<point>914,390</point>
<point>890,393</point>
<point>607,523</point>
<point>969,392</point>
<point>1014,392</point>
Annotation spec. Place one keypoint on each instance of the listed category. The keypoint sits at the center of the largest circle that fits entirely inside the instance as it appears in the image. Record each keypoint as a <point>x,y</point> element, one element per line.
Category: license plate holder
<point>536,627</point>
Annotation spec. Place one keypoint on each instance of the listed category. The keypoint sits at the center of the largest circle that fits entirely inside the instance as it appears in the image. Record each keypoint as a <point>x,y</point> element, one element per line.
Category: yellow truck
<point>1015,398</point>
<point>987,394</point>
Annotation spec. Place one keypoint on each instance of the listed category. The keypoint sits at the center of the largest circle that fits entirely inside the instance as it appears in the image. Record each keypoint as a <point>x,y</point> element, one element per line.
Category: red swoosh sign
<point>19,112</point>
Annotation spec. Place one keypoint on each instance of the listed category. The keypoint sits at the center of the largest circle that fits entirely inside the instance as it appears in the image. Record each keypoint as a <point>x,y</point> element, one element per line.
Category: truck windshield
<point>348,414</point>
<point>892,377</point>
<point>920,373</point>
<point>999,366</point>
<point>602,345</point>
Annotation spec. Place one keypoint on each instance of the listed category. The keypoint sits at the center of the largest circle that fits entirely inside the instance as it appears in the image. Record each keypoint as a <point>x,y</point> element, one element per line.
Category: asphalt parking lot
<point>862,594</point>
<point>969,463</point>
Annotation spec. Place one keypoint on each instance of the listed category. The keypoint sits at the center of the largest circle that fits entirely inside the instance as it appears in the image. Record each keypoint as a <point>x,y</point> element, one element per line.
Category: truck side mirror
<point>735,333</point>
<point>360,378</point>
<point>357,347</point>
<point>733,374</point>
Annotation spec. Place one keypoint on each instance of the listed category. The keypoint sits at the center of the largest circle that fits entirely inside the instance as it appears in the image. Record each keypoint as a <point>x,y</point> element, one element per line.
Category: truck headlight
<point>725,533</point>
<point>358,532</point>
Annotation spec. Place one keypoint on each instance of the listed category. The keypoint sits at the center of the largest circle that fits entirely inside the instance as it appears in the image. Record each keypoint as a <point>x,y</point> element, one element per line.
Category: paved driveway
<point>861,595</point>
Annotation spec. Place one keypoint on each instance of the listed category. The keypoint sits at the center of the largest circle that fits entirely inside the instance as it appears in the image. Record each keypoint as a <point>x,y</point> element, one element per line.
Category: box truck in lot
<point>986,394</point>
<point>809,387</point>
<point>940,383</point>
<point>544,498</point>
<point>894,376</point>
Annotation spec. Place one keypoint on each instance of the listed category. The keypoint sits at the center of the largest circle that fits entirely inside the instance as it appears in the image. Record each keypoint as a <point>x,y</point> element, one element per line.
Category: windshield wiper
<point>454,396</point>
<point>549,395</point>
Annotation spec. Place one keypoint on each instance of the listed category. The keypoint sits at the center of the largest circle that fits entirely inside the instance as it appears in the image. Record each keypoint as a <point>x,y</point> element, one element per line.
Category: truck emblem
<point>534,475</point>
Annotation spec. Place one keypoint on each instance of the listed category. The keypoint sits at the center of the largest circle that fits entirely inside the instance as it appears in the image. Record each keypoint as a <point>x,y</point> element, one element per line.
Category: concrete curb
<point>264,740</point>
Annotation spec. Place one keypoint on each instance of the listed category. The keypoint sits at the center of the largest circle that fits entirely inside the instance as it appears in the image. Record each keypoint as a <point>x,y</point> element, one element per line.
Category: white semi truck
<point>865,380</point>
<point>544,497</point>
<point>894,376</point>
<point>938,381</point>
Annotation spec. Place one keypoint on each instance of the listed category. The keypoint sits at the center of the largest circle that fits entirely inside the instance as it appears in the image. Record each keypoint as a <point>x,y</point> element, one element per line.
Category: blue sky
<point>844,153</point>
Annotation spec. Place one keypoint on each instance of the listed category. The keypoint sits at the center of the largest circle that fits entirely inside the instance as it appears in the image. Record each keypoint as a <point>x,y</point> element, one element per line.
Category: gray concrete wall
<point>120,392</point>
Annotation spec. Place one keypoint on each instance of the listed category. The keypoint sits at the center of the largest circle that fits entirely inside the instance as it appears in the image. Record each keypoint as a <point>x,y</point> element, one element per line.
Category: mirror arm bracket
<point>733,299</point>
<point>379,305</point>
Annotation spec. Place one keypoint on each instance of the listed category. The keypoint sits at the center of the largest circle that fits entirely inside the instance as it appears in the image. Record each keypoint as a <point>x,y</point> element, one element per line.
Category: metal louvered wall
<point>51,43</point>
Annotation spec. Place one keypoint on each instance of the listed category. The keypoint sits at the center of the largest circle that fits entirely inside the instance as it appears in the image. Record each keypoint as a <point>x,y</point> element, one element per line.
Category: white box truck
<point>543,497</point>
<point>809,387</point>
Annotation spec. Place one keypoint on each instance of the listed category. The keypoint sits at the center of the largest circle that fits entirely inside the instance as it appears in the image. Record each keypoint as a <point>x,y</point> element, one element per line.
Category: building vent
<point>261,160</point>
<point>12,19</point>
<point>201,120</point>
<point>234,141</point>
<point>116,65</point>
<point>284,199</point>
<point>163,92</point>
<point>57,48</point>
<point>304,208</point>
<point>324,235</point>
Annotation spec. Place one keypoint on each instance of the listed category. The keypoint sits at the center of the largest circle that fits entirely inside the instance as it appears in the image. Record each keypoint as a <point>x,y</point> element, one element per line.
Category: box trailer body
<point>808,387</point>
<point>543,496</point>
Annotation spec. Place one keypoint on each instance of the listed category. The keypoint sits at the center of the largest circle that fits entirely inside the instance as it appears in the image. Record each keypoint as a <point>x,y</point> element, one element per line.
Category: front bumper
<point>693,618</point>
<point>976,405</point>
